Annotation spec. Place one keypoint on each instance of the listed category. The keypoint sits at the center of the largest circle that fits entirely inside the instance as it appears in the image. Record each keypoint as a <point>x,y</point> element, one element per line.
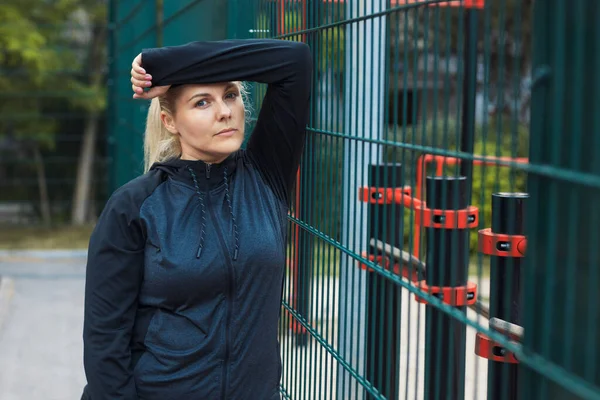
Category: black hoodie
<point>185,266</point>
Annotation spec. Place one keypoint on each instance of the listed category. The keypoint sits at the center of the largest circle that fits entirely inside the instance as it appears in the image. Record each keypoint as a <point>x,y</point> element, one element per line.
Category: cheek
<point>192,125</point>
<point>240,114</point>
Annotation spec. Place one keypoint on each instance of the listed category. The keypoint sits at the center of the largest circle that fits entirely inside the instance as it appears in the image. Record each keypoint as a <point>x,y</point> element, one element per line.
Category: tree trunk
<point>81,199</point>
<point>42,185</point>
<point>81,195</point>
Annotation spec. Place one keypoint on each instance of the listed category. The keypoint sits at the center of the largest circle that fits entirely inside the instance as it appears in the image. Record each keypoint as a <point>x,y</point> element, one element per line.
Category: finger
<point>137,64</point>
<point>137,75</point>
<point>143,95</point>
<point>137,89</point>
<point>140,77</point>
<point>155,91</point>
<point>140,83</point>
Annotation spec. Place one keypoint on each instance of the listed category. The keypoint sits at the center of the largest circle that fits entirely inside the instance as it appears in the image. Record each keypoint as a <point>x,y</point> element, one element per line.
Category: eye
<point>231,95</point>
<point>201,103</point>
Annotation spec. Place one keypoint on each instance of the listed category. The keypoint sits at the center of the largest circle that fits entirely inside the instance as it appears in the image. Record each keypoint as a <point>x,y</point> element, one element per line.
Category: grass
<point>40,238</point>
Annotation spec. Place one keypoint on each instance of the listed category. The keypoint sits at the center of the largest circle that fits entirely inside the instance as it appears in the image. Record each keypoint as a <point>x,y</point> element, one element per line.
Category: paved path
<point>41,308</point>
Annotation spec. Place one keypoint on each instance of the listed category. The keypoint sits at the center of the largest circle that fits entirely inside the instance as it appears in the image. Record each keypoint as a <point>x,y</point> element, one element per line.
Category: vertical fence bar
<point>363,120</point>
<point>112,96</point>
<point>468,105</point>
<point>160,16</point>
<point>306,207</point>
<point>384,297</point>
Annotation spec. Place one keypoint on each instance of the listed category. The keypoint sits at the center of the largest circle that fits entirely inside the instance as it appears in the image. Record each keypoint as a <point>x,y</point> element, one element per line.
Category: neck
<point>206,160</point>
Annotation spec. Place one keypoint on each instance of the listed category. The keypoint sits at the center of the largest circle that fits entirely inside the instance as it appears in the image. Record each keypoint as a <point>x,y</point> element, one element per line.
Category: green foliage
<point>43,62</point>
<point>492,179</point>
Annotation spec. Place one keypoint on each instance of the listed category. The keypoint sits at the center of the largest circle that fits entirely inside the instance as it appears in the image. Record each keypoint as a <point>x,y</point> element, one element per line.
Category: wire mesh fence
<point>443,235</point>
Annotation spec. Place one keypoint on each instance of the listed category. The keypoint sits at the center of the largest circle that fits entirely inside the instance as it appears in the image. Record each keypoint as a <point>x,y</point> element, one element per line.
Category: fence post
<point>363,116</point>
<point>383,296</point>
<point>448,219</point>
<point>562,268</point>
<point>505,244</point>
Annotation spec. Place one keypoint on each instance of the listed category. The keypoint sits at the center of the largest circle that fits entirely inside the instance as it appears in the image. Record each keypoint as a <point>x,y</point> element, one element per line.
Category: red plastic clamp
<point>454,296</point>
<point>447,219</point>
<point>501,245</point>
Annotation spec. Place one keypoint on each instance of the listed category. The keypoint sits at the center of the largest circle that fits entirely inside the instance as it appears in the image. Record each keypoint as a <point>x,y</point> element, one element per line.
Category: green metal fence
<point>452,157</point>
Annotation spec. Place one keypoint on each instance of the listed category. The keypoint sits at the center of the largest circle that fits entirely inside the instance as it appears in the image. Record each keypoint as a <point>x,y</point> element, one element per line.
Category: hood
<point>208,176</point>
<point>205,177</point>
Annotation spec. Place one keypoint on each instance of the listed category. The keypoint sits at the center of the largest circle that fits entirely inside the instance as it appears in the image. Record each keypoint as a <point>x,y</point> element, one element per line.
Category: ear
<point>168,122</point>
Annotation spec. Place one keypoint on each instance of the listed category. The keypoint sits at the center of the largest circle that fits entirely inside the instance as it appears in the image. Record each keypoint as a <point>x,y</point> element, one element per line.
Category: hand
<point>140,80</point>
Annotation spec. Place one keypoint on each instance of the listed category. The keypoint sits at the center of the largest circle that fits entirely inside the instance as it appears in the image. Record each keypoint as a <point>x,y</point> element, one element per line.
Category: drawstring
<point>235,228</point>
<point>228,198</point>
<point>201,198</point>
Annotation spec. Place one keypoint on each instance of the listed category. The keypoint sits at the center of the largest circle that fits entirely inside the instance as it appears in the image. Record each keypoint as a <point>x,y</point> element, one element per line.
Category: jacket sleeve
<point>113,279</point>
<point>277,142</point>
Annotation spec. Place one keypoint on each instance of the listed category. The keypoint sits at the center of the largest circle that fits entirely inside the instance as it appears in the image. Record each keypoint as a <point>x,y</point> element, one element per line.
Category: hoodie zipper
<point>231,279</point>
<point>208,171</point>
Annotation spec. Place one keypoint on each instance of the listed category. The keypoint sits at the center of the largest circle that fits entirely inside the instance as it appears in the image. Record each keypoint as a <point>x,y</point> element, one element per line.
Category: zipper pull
<point>207,171</point>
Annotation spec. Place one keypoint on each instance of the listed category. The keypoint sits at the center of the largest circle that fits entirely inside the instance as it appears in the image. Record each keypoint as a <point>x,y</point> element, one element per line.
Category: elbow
<point>303,54</point>
<point>302,58</point>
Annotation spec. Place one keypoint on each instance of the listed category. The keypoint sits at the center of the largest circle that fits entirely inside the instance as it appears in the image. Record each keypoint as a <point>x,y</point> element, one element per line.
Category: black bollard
<point>446,278</point>
<point>383,295</point>
<point>505,285</point>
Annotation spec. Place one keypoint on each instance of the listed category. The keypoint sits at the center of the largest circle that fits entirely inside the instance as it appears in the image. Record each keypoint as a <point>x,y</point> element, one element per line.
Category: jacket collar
<point>208,176</point>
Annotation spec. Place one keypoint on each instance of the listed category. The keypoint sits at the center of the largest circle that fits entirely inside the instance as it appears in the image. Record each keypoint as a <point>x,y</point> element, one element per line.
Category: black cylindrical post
<point>383,296</point>
<point>468,100</point>
<point>447,264</point>
<point>505,286</point>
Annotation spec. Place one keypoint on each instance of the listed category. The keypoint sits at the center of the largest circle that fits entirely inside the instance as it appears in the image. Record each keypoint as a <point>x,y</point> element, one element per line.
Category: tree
<point>56,48</point>
<point>94,104</point>
<point>27,58</point>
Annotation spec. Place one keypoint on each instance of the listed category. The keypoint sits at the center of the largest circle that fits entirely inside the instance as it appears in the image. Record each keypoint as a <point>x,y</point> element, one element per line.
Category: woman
<point>185,266</point>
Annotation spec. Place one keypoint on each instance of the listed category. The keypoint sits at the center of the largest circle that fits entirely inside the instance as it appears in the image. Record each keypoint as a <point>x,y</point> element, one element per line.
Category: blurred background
<point>504,94</point>
<point>53,153</point>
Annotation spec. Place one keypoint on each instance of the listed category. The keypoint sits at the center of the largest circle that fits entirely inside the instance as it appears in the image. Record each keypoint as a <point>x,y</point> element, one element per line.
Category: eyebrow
<point>228,87</point>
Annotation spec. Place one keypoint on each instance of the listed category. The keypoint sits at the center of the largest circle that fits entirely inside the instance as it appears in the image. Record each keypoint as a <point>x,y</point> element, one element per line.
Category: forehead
<point>211,88</point>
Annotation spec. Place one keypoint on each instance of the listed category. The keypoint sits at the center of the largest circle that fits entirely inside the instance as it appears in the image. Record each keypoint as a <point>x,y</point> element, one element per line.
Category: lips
<point>227,132</point>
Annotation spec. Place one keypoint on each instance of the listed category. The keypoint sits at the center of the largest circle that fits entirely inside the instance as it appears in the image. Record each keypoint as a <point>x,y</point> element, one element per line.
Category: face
<point>209,120</point>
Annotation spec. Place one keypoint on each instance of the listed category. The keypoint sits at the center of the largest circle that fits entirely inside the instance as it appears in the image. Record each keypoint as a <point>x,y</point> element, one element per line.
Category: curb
<point>7,291</point>
<point>46,254</point>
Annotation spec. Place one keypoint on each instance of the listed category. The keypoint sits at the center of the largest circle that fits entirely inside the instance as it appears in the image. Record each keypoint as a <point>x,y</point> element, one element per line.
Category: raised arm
<point>113,278</point>
<point>278,139</point>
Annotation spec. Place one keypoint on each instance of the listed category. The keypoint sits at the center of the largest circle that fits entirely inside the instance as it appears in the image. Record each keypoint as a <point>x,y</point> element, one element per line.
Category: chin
<point>230,145</point>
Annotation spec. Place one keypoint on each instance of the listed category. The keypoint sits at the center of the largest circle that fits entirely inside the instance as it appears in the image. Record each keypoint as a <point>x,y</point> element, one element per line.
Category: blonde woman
<point>185,266</point>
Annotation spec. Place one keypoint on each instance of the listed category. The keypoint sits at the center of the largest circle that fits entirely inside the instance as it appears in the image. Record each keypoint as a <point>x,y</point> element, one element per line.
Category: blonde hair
<point>160,144</point>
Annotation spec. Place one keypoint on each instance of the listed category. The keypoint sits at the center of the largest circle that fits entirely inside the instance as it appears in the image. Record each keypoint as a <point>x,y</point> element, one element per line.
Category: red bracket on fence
<point>450,3</point>
<point>501,245</point>
<point>447,219</point>
<point>487,348</point>
<point>454,296</point>
<point>385,262</point>
<point>383,195</point>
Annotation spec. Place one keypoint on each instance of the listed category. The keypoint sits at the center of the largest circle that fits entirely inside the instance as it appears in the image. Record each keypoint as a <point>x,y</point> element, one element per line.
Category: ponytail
<point>159,143</point>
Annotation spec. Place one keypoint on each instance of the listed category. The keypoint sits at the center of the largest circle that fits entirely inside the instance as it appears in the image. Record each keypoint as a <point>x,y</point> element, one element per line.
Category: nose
<point>224,111</point>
